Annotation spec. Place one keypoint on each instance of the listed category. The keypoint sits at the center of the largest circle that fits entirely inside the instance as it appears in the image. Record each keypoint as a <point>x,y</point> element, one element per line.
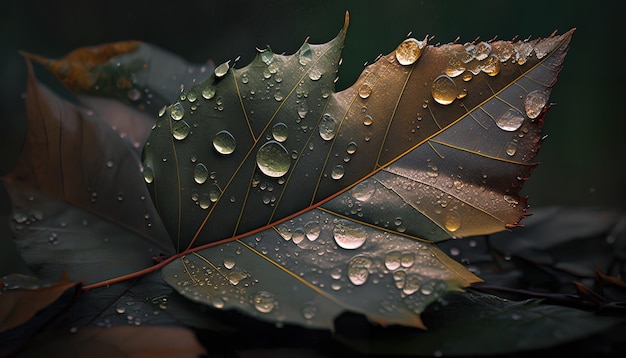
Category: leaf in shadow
<point>21,297</point>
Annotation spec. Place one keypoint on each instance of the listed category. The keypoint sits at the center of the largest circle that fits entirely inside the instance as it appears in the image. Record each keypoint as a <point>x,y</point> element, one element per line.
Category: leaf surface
<point>271,178</point>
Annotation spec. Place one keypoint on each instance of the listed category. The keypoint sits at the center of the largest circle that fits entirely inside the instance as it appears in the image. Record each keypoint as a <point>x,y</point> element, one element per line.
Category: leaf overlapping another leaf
<point>265,169</point>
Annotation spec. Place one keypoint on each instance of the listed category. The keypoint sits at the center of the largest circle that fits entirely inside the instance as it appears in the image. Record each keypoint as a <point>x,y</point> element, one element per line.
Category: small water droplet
<point>200,173</point>
<point>315,74</point>
<point>214,193</point>
<point>120,309</point>
<point>444,90</point>
<point>351,149</point>
<point>208,92</point>
<point>224,142</point>
<point>278,96</point>
<point>264,301</point>
<point>510,120</point>
<point>349,235</point>
<point>327,127</point>
<point>337,172</point>
<point>534,103</point>
<point>358,269</point>
<point>368,120</point>
<point>177,111</point>
<point>363,191</point>
<point>305,55</point>
<point>222,69</point>
<point>511,148</point>
<point>392,260</point>
<point>409,51</point>
<point>302,111</point>
<point>312,230</point>
<point>273,159</point>
<point>309,310</point>
<point>148,174</point>
<point>364,91</point>
<point>467,76</point>
<point>452,221</point>
<point>180,130</point>
<point>134,94</point>
<point>229,262</point>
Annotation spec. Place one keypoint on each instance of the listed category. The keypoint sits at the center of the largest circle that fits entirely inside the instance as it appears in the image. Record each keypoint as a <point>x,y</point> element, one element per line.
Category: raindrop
<point>452,221</point>
<point>358,269</point>
<point>337,172</point>
<point>177,111</point>
<point>273,159</point>
<point>305,55</point>
<point>351,149</point>
<point>280,132</point>
<point>264,301</point>
<point>200,173</point>
<point>302,111</point>
<point>368,120</point>
<point>392,260</point>
<point>229,262</point>
<point>222,69</point>
<point>348,235</point>
<point>492,66</point>
<point>298,235</point>
<point>409,51</point>
<point>411,284</point>
<point>309,310</point>
<point>363,191</point>
<point>407,259</point>
<point>511,120</point>
<point>267,56</point>
<point>482,50</point>
<point>327,127</point>
<point>467,76</point>
<point>224,142</point>
<point>191,96</point>
<point>278,96</point>
<point>180,130</point>
<point>364,91</point>
<point>534,103</point>
<point>312,229</point>
<point>208,92</point>
<point>134,94</point>
<point>511,148</point>
<point>148,174</point>
<point>444,90</point>
<point>214,193</point>
<point>120,309</point>
<point>315,74</point>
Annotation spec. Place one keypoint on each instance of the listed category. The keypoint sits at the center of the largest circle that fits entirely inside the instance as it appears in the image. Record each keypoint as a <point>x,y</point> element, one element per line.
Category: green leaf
<point>284,197</point>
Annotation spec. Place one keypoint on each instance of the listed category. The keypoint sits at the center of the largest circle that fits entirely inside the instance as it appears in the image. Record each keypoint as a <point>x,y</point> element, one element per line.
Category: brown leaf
<point>19,305</point>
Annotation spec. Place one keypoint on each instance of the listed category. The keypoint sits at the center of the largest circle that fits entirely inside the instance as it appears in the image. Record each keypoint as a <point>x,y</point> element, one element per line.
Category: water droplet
<point>482,50</point>
<point>351,149</point>
<point>444,90</point>
<point>305,55</point>
<point>200,173</point>
<point>302,111</point>
<point>337,172</point>
<point>180,130</point>
<point>214,193</point>
<point>309,310</point>
<point>134,94</point>
<point>278,96</point>
<point>363,191</point>
<point>280,132</point>
<point>315,74</point>
<point>407,259</point>
<point>392,260</point>
<point>368,120</point>
<point>492,66</point>
<point>264,301</point>
<point>510,120</point>
<point>411,284</point>
<point>452,221</point>
<point>120,309</point>
<point>467,76</point>
<point>177,111</point>
<point>273,159</point>
<point>409,51</point>
<point>208,92</point>
<point>364,91</point>
<point>148,174</point>
<point>349,235</point>
<point>222,69</point>
<point>358,269</point>
<point>327,127</point>
<point>267,56</point>
<point>512,200</point>
<point>534,103</point>
<point>312,229</point>
<point>298,235</point>
<point>224,142</point>
<point>511,148</point>
<point>229,262</point>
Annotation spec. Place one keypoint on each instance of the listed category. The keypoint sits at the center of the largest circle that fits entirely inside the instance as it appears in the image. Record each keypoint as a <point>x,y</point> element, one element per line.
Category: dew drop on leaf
<point>348,235</point>
<point>305,55</point>
<point>510,120</point>
<point>280,132</point>
<point>312,229</point>
<point>409,51</point>
<point>368,120</point>
<point>214,193</point>
<point>327,127</point>
<point>224,142</point>
<point>208,92</point>
<point>444,90</point>
<point>200,173</point>
<point>358,269</point>
<point>315,74</point>
<point>452,221</point>
<point>534,103</point>
<point>264,302</point>
<point>309,310</point>
<point>180,130</point>
<point>229,262</point>
<point>298,235</point>
<point>222,69</point>
<point>267,56</point>
<point>148,174</point>
<point>492,66</point>
<point>177,111</point>
<point>411,284</point>
<point>511,148</point>
<point>364,91</point>
<point>392,260</point>
<point>273,159</point>
<point>337,172</point>
<point>351,149</point>
<point>363,191</point>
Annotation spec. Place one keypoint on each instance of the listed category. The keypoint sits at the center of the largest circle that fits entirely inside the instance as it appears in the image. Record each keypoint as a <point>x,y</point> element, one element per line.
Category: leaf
<point>21,297</point>
<point>264,176</point>
<point>133,342</point>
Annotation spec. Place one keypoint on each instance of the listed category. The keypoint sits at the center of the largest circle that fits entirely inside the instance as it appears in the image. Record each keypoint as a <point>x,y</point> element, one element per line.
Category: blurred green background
<point>582,159</point>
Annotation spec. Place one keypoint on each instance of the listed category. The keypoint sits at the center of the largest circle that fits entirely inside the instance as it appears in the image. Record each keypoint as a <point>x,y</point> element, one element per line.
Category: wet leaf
<point>265,176</point>
<point>21,297</point>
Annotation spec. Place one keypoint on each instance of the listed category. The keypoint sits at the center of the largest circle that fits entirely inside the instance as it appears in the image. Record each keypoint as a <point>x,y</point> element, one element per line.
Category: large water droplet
<point>315,74</point>
<point>392,260</point>
<point>273,159</point>
<point>452,221</point>
<point>264,301</point>
<point>409,51</point>
<point>358,269</point>
<point>305,55</point>
<point>177,111</point>
<point>337,172</point>
<point>363,191</point>
<point>534,103</point>
<point>148,174</point>
<point>280,132</point>
<point>224,142</point>
<point>312,229</point>
<point>364,91</point>
<point>327,127</point>
<point>204,201</point>
<point>510,120</point>
<point>444,90</point>
<point>208,92</point>
<point>349,235</point>
<point>200,173</point>
<point>222,69</point>
<point>180,130</point>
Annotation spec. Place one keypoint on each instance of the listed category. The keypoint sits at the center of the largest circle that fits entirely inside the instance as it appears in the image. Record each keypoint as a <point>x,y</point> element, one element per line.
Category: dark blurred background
<point>582,159</point>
